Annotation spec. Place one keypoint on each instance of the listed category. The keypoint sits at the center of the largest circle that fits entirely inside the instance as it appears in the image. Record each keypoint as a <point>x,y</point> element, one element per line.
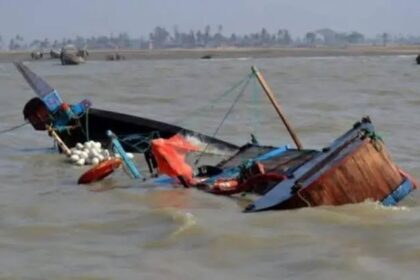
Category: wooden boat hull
<point>367,173</point>
<point>134,132</point>
<point>92,124</point>
<point>355,168</point>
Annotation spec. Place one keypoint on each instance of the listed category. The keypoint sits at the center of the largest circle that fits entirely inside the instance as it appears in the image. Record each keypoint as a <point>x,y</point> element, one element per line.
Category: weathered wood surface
<point>367,173</point>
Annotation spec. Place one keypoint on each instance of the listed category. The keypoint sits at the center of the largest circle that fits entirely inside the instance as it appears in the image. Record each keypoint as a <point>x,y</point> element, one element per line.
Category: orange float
<point>100,171</point>
<point>229,187</point>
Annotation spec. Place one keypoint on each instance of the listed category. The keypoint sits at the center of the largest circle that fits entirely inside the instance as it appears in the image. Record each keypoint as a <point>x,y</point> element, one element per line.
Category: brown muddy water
<point>52,228</point>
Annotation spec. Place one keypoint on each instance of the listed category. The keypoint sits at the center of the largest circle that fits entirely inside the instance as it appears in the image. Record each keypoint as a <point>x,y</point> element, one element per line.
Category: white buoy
<point>130,155</point>
<point>84,155</point>
<point>90,152</point>
<point>95,161</point>
<point>74,158</point>
<point>80,162</point>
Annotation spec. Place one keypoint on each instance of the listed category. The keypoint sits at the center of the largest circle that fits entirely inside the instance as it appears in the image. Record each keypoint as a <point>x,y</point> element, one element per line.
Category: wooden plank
<point>383,168</point>
<point>393,175</point>
<point>365,174</point>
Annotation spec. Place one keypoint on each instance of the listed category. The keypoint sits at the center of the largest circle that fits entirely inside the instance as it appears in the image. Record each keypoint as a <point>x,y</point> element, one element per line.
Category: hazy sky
<point>56,19</point>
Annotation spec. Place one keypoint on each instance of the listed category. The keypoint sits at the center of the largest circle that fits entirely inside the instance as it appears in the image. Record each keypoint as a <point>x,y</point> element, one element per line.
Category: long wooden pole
<point>273,101</point>
<point>60,142</point>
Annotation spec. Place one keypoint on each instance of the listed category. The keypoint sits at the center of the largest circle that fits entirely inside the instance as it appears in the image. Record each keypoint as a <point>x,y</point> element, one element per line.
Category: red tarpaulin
<point>170,156</point>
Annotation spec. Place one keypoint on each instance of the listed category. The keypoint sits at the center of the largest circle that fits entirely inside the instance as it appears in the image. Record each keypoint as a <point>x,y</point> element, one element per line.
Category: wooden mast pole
<point>273,101</point>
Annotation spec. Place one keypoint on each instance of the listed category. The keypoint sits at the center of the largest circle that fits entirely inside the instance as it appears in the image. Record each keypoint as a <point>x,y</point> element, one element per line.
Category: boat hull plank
<point>355,168</point>
<point>365,174</point>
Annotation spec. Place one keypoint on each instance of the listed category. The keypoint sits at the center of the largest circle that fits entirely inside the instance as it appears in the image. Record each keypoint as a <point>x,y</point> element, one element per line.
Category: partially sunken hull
<point>368,173</point>
<point>135,132</point>
<point>92,124</point>
<point>355,168</point>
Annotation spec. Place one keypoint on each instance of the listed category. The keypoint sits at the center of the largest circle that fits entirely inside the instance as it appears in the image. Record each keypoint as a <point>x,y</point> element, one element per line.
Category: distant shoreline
<point>10,56</point>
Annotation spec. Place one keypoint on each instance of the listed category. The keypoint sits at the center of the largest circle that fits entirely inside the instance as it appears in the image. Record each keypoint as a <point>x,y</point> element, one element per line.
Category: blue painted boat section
<point>163,180</point>
<point>273,153</point>
<point>41,87</point>
<point>80,108</point>
<point>53,101</point>
<point>129,163</point>
<point>399,193</point>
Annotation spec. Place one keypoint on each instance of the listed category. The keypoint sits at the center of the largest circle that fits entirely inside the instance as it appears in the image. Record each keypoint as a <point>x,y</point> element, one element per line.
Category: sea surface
<point>52,228</point>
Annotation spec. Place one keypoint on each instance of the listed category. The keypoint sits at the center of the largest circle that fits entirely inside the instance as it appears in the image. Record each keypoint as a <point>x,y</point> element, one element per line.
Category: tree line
<point>161,38</point>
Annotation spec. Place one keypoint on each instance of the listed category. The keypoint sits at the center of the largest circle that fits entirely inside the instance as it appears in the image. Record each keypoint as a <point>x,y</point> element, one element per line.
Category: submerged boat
<point>80,122</point>
<point>354,168</point>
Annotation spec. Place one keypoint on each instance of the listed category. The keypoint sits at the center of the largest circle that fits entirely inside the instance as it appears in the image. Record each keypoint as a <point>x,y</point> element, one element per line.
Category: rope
<point>303,199</point>
<point>85,129</point>
<point>213,102</point>
<point>87,124</point>
<point>376,139</point>
<point>225,117</point>
<point>143,139</point>
<point>373,135</point>
<point>13,128</point>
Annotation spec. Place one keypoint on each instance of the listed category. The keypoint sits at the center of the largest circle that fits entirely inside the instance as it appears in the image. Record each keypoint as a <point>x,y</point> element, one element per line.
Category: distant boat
<point>114,56</point>
<point>70,55</point>
<point>54,54</point>
<point>418,59</point>
<point>207,56</point>
<point>36,55</point>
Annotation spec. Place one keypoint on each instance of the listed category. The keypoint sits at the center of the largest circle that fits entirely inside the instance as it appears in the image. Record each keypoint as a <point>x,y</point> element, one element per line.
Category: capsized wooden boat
<point>79,122</point>
<point>356,167</point>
